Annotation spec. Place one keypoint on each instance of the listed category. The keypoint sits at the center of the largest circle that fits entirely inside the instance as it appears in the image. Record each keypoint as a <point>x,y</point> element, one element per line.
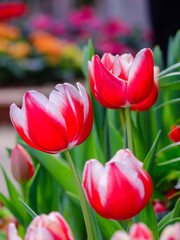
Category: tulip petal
<point>108,60</point>
<point>140,231</point>
<point>140,81</point>
<point>94,90</point>
<point>12,232</point>
<point>109,87</point>
<point>18,119</point>
<point>49,132</point>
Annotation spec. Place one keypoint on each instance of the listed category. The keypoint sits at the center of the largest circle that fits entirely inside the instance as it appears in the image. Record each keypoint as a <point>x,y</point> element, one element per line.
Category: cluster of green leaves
<point>52,187</point>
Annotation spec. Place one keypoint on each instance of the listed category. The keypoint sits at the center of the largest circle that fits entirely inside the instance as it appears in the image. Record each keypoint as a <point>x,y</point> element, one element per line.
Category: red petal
<point>140,81</point>
<point>110,88</point>
<point>45,124</point>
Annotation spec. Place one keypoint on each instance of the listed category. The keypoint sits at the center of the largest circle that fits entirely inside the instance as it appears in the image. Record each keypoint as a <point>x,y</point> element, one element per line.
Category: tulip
<point>21,164</point>
<point>151,99</point>
<point>121,81</point>
<point>174,134</point>
<point>140,231</point>
<point>120,189</point>
<point>158,206</point>
<point>171,232</point>
<point>49,227</point>
<point>55,124</point>
<point>12,232</point>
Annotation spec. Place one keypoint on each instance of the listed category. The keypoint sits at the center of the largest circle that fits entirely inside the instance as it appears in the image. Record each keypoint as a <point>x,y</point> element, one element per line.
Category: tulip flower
<point>49,227</point>
<point>138,231</point>
<point>120,189</point>
<point>12,232</point>
<point>159,206</point>
<point>121,81</point>
<point>171,232</point>
<point>174,134</point>
<point>55,124</point>
<point>21,164</point>
<point>151,99</point>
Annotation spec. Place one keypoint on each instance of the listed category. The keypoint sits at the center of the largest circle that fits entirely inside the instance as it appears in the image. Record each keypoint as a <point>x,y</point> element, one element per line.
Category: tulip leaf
<point>176,210</point>
<point>170,222</point>
<point>58,168</point>
<point>148,161</point>
<point>148,216</point>
<point>167,148</point>
<point>88,52</point>
<point>168,102</point>
<point>28,209</point>
<point>169,75</point>
<point>172,161</point>
<point>174,66</point>
<point>2,236</point>
<point>171,86</point>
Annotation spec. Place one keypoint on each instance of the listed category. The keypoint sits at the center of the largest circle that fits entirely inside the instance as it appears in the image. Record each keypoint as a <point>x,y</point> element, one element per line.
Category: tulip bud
<point>49,227</point>
<point>21,164</point>
<point>120,235</point>
<point>158,206</point>
<point>139,231</point>
<point>120,189</point>
<point>174,134</point>
<point>171,232</point>
<point>12,232</point>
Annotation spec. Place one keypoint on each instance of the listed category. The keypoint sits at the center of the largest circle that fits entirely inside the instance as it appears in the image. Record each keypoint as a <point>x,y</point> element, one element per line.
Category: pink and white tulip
<point>21,164</point>
<point>55,124</point>
<point>120,189</point>
<point>121,81</point>
<point>12,232</point>
<point>171,232</point>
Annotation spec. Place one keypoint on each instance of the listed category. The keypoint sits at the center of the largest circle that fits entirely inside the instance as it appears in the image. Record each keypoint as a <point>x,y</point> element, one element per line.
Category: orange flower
<point>9,32</point>
<point>19,49</point>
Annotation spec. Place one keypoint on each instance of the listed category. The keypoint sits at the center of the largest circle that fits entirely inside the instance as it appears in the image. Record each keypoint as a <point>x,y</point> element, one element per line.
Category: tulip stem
<point>82,198</point>
<point>129,130</point>
<point>123,119</point>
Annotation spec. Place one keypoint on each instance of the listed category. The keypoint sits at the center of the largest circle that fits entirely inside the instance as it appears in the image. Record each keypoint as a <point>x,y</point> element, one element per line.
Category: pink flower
<point>21,164</point>
<point>55,124</point>
<point>120,189</point>
<point>41,22</point>
<point>139,231</point>
<point>12,232</point>
<point>159,207</point>
<point>121,81</point>
<point>171,232</point>
<point>151,99</point>
<point>49,227</point>
<point>174,134</point>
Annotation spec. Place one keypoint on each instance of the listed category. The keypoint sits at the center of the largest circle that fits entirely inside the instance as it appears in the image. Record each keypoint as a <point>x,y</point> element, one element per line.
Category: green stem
<point>129,129</point>
<point>82,198</point>
<point>123,119</point>
<point>24,192</point>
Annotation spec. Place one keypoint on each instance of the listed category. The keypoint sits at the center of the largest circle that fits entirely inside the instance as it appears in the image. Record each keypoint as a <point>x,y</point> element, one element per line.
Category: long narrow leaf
<point>168,102</point>
<point>169,69</point>
<point>28,209</point>
<point>167,148</point>
<point>175,160</point>
<point>169,75</point>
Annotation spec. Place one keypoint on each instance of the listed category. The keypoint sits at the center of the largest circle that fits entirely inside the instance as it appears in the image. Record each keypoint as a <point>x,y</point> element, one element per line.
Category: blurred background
<point>41,42</point>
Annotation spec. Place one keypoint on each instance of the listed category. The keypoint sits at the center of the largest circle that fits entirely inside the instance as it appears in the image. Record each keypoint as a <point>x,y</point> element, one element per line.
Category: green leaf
<point>169,75</point>
<point>148,216</point>
<point>88,52</point>
<point>148,161</point>
<point>170,222</point>
<point>171,86</point>
<point>58,168</point>
<point>175,160</point>
<point>176,210</point>
<point>168,102</point>
<point>167,148</point>
<point>28,209</point>
<point>174,66</point>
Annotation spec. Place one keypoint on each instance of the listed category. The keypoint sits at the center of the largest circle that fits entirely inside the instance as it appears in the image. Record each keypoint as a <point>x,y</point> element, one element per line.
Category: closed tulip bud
<point>151,99</point>
<point>120,189</point>
<point>139,231</point>
<point>55,124</point>
<point>158,206</point>
<point>174,134</point>
<point>49,227</point>
<point>171,232</point>
<point>12,232</point>
<point>21,164</point>
<point>121,81</point>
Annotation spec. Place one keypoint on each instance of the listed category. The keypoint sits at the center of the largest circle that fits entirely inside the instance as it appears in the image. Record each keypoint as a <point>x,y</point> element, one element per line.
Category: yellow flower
<point>19,49</point>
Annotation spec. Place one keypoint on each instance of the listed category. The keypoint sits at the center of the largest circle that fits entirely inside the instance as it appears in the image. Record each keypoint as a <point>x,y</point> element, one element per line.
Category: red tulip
<point>49,227</point>
<point>120,189</point>
<point>10,10</point>
<point>171,232</point>
<point>12,232</point>
<point>121,81</point>
<point>21,164</point>
<point>158,206</point>
<point>151,99</point>
<point>174,134</point>
<point>55,124</point>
